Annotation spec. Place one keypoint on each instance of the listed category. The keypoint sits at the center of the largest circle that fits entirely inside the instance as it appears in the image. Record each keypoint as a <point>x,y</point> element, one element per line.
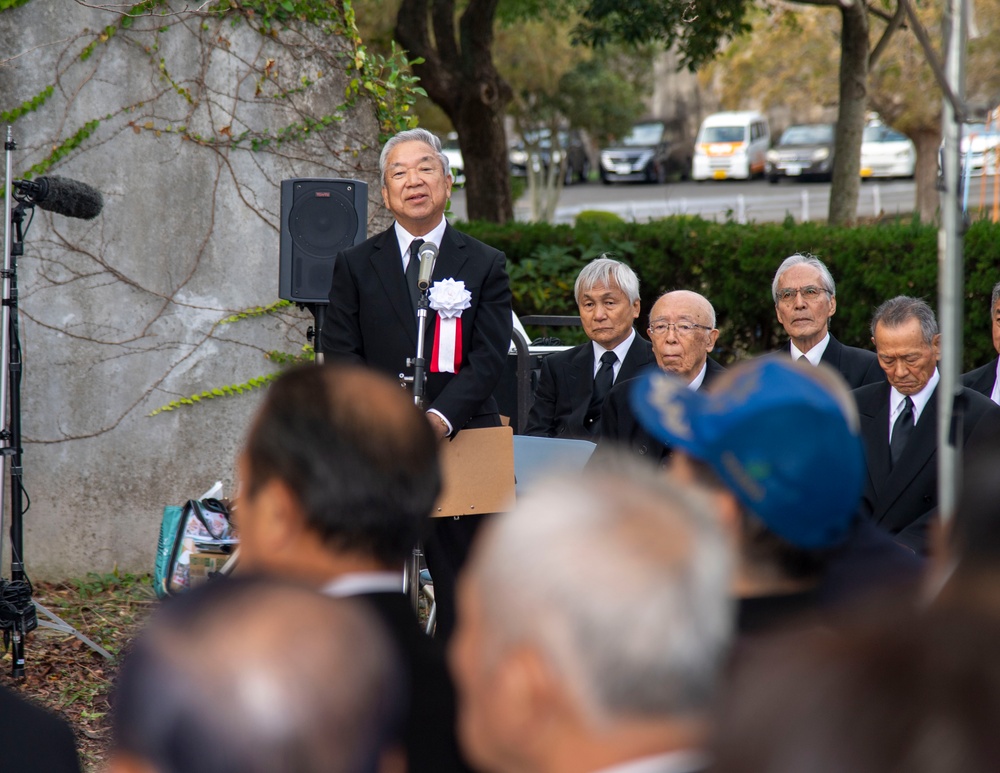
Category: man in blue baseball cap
<point>778,445</point>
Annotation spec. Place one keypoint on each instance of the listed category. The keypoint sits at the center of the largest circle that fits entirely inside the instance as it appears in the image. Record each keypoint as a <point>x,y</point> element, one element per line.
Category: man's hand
<point>440,425</point>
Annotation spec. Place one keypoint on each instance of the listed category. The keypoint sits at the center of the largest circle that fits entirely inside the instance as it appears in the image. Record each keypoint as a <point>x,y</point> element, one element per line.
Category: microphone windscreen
<point>70,198</point>
<point>428,254</point>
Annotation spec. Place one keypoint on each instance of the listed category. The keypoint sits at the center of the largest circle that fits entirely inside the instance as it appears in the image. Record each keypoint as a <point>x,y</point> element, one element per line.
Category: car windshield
<point>882,133</point>
<point>723,134</point>
<point>821,134</point>
<point>644,134</point>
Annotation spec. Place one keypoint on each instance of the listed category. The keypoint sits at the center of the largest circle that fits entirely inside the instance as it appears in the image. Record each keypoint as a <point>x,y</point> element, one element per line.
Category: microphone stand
<point>18,614</point>
<point>411,570</point>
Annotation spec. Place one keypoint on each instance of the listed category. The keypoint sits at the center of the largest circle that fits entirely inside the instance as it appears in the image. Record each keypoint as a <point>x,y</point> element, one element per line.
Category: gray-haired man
<point>986,379</point>
<point>805,300</point>
<point>574,383</point>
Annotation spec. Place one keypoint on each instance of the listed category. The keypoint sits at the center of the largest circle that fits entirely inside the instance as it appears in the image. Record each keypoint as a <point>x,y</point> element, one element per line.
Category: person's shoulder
<point>369,245</point>
<point>463,239</point>
<point>871,395</point>
<point>978,404</point>
<point>856,352</point>
<point>580,351</point>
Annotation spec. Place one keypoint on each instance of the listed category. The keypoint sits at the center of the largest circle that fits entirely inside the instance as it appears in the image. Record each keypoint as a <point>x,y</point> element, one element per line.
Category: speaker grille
<point>322,222</point>
<point>320,218</point>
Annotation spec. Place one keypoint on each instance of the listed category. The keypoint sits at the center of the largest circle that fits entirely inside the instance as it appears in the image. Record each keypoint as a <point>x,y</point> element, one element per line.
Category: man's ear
<point>531,694</point>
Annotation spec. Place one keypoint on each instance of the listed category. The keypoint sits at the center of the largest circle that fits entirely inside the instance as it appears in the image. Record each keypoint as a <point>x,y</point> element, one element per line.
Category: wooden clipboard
<point>477,469</point>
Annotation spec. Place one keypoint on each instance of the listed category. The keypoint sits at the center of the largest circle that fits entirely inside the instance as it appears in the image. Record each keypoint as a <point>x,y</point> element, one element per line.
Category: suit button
<point>643,450</point>
<point>561,431</point>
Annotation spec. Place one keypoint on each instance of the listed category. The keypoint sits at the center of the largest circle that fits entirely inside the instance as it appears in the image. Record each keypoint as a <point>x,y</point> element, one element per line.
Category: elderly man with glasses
<point>682,331</point>
<point>805,299</point>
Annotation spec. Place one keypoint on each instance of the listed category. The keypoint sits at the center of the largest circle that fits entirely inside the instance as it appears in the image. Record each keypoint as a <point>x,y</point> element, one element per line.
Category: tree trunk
<point>459,76</point>
<point>926,175</point>
<point>851,116</point>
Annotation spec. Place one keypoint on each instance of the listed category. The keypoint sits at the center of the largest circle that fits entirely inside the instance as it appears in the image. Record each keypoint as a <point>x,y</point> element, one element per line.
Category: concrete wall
<point>121,314</point>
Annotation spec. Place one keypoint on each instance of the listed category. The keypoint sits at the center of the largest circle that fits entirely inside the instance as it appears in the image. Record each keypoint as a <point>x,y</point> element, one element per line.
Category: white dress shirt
<point>814,355</point>
<point>685,761</point>
<point>920,400</point>
<point>620,352</point>
<point>995,397</point>
<point>356,583</point>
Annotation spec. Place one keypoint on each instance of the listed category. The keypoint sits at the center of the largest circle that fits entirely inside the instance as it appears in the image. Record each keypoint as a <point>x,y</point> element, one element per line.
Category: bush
<point>733,265</point>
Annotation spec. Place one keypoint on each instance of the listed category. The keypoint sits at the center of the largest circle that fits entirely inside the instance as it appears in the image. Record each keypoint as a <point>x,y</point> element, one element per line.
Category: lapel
<point>920,448</point>
<point>388,265</point>
<point>875,427</point>
<point>580,380</point>
<point>635,360</point>
<point>831,355</point>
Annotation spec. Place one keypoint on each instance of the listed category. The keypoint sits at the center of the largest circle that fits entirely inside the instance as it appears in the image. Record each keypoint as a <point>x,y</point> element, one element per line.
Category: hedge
<point>733,265</point>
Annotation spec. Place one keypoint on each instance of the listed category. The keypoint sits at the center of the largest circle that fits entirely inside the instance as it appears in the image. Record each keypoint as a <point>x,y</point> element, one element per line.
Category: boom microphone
<point>62,196</point>
<point>428,254</point>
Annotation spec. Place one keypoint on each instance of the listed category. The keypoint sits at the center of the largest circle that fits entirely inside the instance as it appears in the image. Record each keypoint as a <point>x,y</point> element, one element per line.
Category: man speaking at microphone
<point>372,318</point>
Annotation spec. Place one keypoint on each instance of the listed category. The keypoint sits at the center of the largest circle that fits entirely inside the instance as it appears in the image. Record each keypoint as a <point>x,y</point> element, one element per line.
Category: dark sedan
<point>645,155</point>
<point>802,151</point>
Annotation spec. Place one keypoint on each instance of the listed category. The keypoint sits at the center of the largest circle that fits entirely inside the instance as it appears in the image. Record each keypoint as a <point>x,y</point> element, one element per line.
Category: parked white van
<point>731,144</point>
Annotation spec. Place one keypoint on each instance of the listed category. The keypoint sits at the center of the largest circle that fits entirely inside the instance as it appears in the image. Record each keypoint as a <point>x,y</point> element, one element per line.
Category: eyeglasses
<point>809,293</point>
<point>681,328</point>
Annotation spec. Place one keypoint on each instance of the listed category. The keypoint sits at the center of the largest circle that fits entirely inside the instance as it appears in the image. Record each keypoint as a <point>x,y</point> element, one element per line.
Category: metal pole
<point>9,147</point>
<point>950,274</point>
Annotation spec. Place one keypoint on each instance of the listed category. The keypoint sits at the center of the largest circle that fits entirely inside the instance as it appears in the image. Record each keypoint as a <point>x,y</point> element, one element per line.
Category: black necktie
<point>602,385</point>
<point>901,431</point>
<point>413,271</point>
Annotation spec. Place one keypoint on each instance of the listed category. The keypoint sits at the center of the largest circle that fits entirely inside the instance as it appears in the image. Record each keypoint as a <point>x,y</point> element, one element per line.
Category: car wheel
<point>773,179</point>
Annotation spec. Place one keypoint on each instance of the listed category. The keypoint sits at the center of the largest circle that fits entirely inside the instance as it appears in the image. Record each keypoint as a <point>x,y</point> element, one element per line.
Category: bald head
<point>352,449</point>
<point>213,686</point>
<point>682,331</point>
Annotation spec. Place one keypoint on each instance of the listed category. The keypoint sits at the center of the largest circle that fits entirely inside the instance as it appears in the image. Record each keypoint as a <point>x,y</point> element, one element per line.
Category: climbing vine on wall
<point>289,84</point>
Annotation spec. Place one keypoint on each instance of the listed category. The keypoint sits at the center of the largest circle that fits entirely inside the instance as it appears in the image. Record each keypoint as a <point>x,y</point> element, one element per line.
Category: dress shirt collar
<point>920,399</point>
<point>995,397</point>
<point>356,583</point>
<point>404,237</point>
<point>815,354</point>
<point>698,380</point>
<point>684,761</point>
<point>620,351</point>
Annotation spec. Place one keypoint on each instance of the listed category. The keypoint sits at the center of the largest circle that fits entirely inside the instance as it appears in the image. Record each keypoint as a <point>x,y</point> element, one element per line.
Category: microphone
<point>428,254</point>
<point>62,196</point>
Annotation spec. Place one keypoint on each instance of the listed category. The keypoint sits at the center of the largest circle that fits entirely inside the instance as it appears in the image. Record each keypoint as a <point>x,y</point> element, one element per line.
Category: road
<point>742,201</point>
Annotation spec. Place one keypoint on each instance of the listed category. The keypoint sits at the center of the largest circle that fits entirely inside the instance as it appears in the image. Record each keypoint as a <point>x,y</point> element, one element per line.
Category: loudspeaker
<point>319,218</point>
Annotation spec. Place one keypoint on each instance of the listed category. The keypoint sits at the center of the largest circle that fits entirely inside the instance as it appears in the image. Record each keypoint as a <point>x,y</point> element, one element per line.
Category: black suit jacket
<point>982,379</point>
<point>622,431</point>
<point>566,386</point>
<point>429,734</point>
<point>902,499</point>
<point>33,739</point>
<point>858,366</point>
<point>371,320</point>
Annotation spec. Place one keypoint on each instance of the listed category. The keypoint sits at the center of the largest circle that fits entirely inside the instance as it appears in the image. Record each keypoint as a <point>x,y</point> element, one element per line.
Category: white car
<point>980,149</point>
<point>886,152</point>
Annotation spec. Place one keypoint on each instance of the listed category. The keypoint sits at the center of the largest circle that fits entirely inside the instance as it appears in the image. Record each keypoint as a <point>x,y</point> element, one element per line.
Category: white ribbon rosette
<point>449,299</point>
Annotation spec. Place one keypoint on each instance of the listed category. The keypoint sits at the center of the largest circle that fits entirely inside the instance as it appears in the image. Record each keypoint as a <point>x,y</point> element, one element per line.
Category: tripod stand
<point>18,614</point>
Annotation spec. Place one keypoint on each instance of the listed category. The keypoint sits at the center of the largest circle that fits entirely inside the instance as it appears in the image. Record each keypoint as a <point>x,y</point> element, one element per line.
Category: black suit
<point>982,379</point>
<point>429,733</point>
<point>622,431</point>
<point>902,499</point>
<point>566,387</point>
<point>859,367</point>
<point>33,739</point>
<point>371,320</point>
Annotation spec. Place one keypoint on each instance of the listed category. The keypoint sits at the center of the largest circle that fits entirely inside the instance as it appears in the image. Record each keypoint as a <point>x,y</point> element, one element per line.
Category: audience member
<point>985,379</point>
<point>805,300</point>
<point>33,740</point>
<point>682,329</point>
<point>248,676</point>
<point>899,421</point>
<point>593,621</point>
<point>918,694</point>
<point>574,383</point>
<point>339,475</point>
<point>777,444</point>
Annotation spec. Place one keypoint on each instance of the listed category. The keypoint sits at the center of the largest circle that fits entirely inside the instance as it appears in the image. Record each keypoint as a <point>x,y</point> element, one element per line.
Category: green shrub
<point>733,265</point>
